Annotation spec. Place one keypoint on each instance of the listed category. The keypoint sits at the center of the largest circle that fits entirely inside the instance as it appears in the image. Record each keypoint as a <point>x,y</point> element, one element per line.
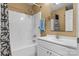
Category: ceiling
<point>57,6</point>
<point>54,6</point>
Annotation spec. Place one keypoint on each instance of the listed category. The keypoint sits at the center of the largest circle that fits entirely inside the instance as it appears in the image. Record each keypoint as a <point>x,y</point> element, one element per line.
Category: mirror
<point>69,18</point>
<point>62,17</point>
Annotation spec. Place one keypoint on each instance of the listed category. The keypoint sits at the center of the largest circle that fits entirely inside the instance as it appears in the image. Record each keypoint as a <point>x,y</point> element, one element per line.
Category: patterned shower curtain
<point>5,35</point>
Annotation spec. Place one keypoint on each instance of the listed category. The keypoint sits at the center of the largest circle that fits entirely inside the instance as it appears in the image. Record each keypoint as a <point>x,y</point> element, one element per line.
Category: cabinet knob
<point>47,51</point>
<point>50,53</point>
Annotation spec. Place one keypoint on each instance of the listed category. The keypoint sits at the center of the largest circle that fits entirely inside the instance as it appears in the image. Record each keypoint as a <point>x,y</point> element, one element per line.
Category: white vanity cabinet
<point>46,48</point>
<point>41,51</point>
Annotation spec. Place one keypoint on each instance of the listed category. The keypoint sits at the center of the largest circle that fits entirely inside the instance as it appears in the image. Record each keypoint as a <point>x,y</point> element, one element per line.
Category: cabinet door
<point>53,54</point>
<point>42,51</point>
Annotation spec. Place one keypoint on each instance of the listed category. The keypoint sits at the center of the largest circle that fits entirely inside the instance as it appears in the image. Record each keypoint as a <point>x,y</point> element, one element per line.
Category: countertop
<point>70,43</point>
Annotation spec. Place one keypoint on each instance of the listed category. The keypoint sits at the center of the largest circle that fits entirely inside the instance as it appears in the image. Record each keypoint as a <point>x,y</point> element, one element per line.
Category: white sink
<point>62,41</point>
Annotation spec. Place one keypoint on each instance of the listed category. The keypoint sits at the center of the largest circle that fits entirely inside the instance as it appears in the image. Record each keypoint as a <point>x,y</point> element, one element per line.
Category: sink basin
<point>63,41</point>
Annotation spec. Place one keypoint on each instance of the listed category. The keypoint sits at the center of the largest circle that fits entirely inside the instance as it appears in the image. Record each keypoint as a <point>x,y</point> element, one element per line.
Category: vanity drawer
<point>45,44</point>
<point>72,52</point>
<point>42,51</point>
<point>60,49</point>
<point>64,51</point>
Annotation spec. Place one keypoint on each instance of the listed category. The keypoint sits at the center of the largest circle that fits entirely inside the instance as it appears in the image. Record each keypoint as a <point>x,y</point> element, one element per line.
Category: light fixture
<point>57,3</point>
<point>21,18</point>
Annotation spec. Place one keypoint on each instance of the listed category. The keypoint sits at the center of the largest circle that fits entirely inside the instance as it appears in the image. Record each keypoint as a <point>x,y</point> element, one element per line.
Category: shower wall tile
<point>20,29</point>
<point>37,18</point>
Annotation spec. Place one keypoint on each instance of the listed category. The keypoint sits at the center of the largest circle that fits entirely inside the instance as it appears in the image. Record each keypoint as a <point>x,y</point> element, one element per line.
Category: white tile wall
<point>37,18</point>
<point>20,29</point>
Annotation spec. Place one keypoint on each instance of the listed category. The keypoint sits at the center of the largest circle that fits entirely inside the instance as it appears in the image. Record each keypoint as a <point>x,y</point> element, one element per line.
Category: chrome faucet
<point>57,36</point>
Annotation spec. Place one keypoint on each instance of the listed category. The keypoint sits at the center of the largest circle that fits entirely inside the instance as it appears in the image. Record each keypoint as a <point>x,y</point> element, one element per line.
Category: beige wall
<point>20,7</point>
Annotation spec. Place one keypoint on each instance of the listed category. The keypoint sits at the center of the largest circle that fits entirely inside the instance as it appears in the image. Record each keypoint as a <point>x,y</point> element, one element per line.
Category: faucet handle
<point>57,36</point>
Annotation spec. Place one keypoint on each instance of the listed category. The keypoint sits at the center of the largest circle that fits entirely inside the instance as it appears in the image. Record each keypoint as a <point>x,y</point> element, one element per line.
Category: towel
<point>42,25</point>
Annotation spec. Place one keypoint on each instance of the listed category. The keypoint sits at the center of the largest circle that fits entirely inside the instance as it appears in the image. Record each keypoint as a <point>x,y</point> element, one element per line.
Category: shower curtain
<point>5,39</point>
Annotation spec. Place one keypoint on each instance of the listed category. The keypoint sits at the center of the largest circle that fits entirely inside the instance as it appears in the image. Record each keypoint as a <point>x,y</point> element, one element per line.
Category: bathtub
<point>29,50</point>
<point>21,35</point>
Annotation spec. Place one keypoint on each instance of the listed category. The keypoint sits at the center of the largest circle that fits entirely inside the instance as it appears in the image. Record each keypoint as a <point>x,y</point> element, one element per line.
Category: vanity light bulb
<point>22,18</point>
<point>57,3</point>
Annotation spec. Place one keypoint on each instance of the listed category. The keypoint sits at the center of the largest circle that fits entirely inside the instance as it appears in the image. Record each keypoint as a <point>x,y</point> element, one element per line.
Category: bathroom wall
<point>46,11</point>
<point>37,18</point>
<point>20,7</point>
<point>21,26</point>
<point>78,20</point>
